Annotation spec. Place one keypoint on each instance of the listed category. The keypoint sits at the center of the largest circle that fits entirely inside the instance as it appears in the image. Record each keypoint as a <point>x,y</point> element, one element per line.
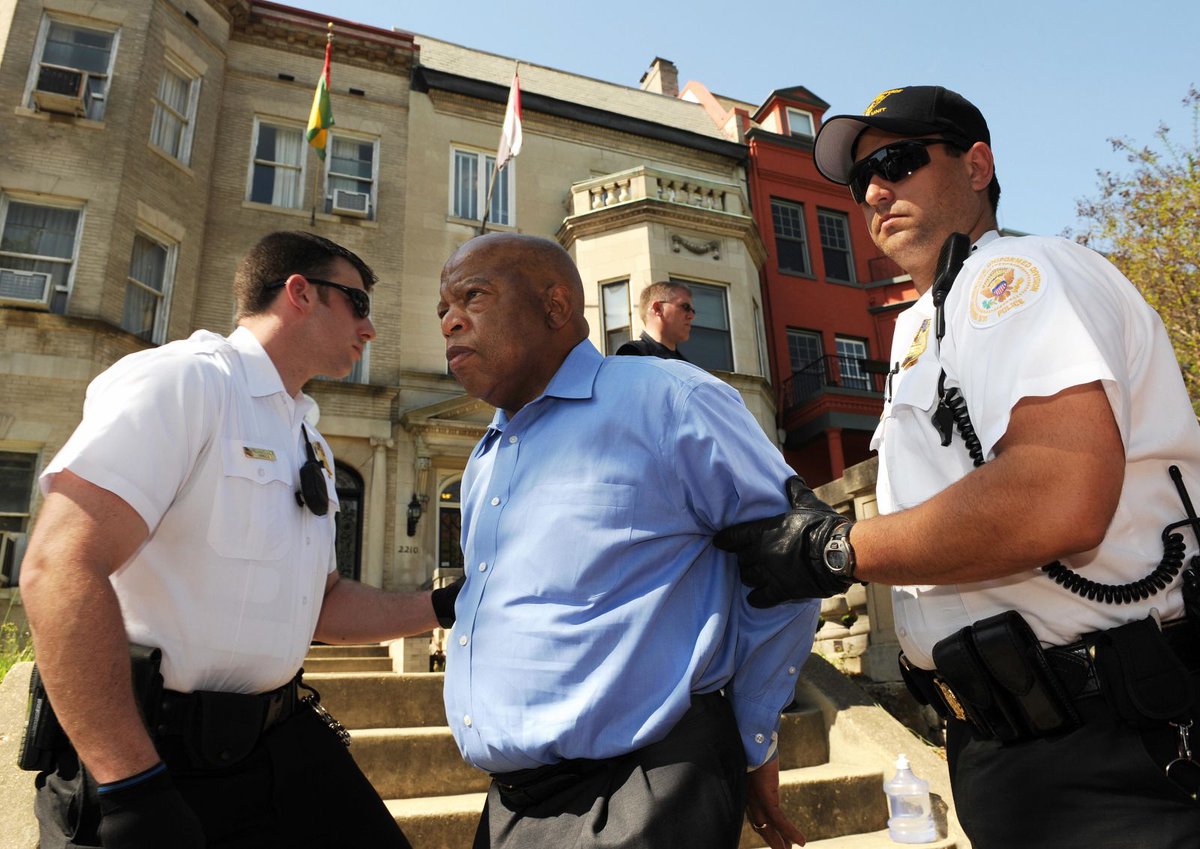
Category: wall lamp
<point>419,499</point>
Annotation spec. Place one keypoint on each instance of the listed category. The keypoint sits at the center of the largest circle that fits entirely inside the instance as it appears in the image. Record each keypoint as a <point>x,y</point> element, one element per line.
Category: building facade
<point>831,296</point>
<point>152,142</point>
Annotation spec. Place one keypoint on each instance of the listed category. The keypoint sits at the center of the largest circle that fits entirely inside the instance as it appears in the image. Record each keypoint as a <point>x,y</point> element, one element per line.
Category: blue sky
<point>1055,79</point>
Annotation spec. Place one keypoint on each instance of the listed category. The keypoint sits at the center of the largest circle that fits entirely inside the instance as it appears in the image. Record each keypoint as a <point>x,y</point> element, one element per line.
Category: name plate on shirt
<point>259,453</point>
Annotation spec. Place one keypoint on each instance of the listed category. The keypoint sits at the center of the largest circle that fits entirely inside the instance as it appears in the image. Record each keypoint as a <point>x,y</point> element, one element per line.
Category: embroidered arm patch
<point>1005,286</point>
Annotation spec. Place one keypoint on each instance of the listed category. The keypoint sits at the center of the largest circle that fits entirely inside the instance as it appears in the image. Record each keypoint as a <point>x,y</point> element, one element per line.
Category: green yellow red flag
<point>320,119</point>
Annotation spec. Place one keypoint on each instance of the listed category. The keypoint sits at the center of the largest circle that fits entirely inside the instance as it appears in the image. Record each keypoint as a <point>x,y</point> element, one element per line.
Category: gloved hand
<point>443,600</point>
<point>147,812</point>
<point>783,557</point>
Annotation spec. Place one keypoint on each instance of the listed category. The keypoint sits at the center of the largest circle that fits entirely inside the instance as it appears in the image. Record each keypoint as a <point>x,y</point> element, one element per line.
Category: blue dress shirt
<point>595,604</point>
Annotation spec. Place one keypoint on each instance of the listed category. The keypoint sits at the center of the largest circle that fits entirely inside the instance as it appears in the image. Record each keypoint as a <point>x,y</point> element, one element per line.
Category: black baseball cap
<point>917,110</point>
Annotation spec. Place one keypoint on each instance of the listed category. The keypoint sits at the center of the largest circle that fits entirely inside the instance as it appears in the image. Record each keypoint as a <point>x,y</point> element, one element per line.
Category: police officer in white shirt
<point>192,513</point>
<point>1035,452</point>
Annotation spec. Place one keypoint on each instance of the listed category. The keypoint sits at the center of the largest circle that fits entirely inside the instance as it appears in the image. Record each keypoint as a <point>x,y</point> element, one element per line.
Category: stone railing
<point>656,184</point>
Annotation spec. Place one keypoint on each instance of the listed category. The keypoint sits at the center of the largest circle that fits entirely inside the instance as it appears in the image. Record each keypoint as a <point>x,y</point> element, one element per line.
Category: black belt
<point>261,710</point>
<point>1074,666</point>
<point>212,730</point>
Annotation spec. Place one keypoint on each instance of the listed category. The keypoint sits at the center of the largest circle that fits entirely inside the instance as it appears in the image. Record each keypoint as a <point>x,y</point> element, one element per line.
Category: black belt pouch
<point>1140,675</point>
<point>223,728</point>
<point>998,666</point>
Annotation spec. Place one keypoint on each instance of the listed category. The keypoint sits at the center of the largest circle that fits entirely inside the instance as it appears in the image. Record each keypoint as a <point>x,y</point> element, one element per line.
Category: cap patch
<point>875,108</point>
<point>1005,286</point>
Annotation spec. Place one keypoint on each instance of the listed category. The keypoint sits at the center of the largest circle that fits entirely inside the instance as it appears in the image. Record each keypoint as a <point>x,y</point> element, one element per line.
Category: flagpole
<point>312,221</point>
<point>487,203</point>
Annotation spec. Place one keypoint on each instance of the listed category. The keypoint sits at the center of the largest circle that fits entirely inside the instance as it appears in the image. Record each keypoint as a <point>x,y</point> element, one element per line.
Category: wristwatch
<point>839,554</point>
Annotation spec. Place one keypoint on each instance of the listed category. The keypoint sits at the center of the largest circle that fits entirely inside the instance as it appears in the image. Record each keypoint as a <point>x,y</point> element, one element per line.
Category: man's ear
<point>557,306</point>
<point>982,165</point>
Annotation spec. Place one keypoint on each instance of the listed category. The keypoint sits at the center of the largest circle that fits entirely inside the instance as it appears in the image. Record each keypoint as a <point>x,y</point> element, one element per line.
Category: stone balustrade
<point>644,183</point>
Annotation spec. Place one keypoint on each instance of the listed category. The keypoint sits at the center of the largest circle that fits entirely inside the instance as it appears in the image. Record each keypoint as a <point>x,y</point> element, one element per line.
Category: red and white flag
<point>511,136</point>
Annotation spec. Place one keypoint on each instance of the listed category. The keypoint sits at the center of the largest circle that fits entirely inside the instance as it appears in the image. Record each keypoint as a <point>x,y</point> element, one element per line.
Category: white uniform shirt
<point>201,439</point>
<point>1031,317</point>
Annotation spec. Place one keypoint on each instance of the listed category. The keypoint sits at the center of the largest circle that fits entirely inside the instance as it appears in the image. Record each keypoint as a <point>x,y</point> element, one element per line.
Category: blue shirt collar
<point>574,380</point>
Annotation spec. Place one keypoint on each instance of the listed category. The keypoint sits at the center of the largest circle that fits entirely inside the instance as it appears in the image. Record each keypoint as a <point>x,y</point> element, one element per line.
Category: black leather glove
<point>147,814</point>
<point>783,557</point>
<point>443,602</point>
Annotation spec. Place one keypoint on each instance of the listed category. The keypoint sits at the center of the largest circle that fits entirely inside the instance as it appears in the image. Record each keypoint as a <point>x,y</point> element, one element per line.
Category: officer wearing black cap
<point>1035,453</point>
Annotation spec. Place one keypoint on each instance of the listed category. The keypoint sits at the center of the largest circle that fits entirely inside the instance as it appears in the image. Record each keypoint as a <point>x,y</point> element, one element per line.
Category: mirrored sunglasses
<point>893,163</point>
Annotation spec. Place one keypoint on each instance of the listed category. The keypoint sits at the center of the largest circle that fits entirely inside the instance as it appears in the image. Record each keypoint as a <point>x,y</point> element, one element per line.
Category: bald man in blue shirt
<point>605,667</point>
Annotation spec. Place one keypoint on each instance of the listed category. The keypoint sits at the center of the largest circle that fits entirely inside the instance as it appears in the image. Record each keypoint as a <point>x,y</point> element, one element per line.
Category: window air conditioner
<point>25,287</point>
<point>355,204</point>
<point>61,90</point>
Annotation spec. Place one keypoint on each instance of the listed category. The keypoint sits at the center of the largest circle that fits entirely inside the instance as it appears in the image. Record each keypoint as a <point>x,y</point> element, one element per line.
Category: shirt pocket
<point>578,537</point>
<point>253,496</point>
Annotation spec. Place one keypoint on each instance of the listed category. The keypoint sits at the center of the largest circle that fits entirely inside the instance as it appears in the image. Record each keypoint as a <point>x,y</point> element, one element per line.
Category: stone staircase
<point>836,745</point>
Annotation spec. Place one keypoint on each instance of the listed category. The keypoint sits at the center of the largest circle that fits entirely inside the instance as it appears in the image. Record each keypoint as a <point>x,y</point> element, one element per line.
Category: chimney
<point>662,78</point>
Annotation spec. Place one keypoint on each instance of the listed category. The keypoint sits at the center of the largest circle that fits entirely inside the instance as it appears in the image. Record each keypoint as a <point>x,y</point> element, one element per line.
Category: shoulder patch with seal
<point>1005,286</point>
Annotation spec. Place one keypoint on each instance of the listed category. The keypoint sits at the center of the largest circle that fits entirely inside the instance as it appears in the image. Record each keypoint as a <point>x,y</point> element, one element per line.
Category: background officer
<point>667,312</point>
<point>1032,414</point>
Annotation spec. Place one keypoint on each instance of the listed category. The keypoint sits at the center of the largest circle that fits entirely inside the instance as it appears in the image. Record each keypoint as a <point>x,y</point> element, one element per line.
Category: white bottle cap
<point>901,762</point>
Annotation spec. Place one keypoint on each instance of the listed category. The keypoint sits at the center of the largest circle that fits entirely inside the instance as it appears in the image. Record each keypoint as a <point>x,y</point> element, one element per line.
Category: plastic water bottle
<point>908,798</point>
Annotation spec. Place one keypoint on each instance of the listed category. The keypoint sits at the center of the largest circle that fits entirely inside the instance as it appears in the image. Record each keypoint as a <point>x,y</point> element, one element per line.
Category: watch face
<point>836,556</point>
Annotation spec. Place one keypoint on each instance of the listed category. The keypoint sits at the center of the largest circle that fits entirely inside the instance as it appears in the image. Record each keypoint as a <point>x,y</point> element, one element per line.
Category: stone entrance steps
<point>403,745</point>
<point>348,659</point>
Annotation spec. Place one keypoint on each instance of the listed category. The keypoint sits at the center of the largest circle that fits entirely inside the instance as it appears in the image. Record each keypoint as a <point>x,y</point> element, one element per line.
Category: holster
<point>1140,675</point>
<point>44,736</point>
<point>999,673</point>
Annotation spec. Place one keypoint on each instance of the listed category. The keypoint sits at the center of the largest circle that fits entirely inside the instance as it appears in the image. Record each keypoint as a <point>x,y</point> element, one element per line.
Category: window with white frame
<point>148,290</point>
<point>277,166</point>
<point>37,252</point>
<point>16,493</point>
<point>800,123</point>
<point>351,176</point>
<point>470,177</point>
<point>175,111</point>
<point>835,245</point>
<point>851,353</point>
<point>709,345</point>
<point>73,61</point>
<point>791,246</point>
<point>615,298</point>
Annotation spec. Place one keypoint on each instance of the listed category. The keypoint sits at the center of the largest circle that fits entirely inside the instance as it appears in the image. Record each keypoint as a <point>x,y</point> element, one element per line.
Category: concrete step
<point>802,738</point>
<point>444,822</point>
<point>406,763</point>
<point>870,840</point>
<point>381,700</point>
<point>369,650</point>
<point>347,664</point>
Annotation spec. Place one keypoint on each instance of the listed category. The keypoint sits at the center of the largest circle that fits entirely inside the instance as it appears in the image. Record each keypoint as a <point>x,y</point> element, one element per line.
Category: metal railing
<point>829,371</point>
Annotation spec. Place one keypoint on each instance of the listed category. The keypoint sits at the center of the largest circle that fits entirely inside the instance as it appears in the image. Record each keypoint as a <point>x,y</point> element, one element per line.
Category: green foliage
<point>14,647</point>
<point>1148,223</point>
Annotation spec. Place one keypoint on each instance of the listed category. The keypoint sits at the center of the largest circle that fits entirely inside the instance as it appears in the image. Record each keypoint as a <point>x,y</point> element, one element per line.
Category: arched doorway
<point>349,522</point>
<point>449,551</point>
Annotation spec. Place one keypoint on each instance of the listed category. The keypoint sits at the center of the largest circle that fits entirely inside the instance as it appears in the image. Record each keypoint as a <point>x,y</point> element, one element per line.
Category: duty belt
<point>1073,673</point>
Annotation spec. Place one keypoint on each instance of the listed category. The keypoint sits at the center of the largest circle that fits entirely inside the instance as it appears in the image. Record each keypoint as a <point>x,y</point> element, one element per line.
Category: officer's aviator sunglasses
<point>359,300</point>
<point>893,163</point>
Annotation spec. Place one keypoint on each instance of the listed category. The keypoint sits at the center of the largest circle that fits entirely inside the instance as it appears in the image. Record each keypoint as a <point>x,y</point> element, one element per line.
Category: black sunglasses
<point>359,299</point>
<point>893,163</point>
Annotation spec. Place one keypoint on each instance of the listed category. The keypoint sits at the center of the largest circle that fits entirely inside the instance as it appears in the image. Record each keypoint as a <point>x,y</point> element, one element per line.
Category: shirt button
<point>495,502</point>
<point>462,641</point>
<point>758,738</point>
<point>467,720</point>
<point>791,670</point>
<point>512,440</point>
<point>308,540</point>
<point>902,632</point>
<point>262,473</point>
<point>483,567</point>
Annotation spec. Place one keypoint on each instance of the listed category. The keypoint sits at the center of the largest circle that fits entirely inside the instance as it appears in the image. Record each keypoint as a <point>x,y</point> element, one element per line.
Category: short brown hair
<point>659,291</point>
<point>279,255</point>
